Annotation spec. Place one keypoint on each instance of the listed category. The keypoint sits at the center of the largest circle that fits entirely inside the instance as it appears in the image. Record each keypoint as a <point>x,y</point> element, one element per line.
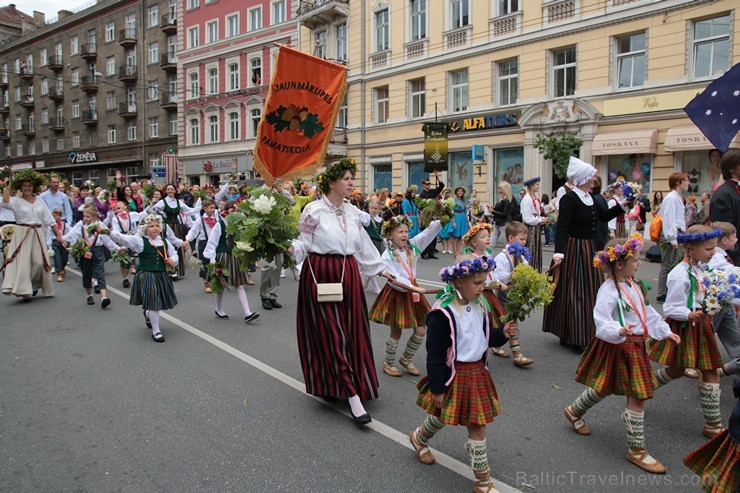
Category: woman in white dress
<point>531,208</point>
<point>173,207</point>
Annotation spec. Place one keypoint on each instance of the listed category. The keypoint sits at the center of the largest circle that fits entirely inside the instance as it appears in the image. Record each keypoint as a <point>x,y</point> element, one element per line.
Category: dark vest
<point>149,259</point>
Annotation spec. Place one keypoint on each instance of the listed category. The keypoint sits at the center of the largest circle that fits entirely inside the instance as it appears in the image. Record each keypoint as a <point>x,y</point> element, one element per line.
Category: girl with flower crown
<point>615,361</point>
<point>173,207</point>
<point>458,389</point>
<point>532,210</point>
<point>401,303</point>
<point>684,313</point>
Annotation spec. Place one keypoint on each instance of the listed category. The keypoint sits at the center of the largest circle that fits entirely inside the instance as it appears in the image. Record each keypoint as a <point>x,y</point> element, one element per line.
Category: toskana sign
<point>82,157</point>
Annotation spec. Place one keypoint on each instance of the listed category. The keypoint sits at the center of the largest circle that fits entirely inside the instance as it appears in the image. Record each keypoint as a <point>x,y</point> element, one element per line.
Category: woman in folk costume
<point>531,208</point>
<point>173,207</point>
<point>617,226</point>
<point>570,315</point>
<point>460,223</point>
<point>401,304</point>
<point>409,208</point>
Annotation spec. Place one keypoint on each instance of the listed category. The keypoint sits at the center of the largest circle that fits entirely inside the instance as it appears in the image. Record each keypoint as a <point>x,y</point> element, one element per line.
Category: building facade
<point>225,64</point>
<point>14,23</point>
<point>615,73</point>
<point>93,92</point>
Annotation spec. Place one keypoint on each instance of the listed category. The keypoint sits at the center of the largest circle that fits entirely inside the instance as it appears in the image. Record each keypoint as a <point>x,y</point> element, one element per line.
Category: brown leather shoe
<point>409,365</point>
<point>423,453</point>
<point>576,421</point>
<point>641,458</point>
<point>711,430</point>
<point>391,370</point>
<point>522,361</point>
<point>207,287</point>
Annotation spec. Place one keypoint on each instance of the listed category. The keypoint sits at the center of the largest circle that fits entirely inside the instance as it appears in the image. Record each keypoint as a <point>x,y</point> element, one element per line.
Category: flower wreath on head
<point>333,172</point>
<point>412,189</point>
<point>698,237</point>
<point>629,248</point>
<point>467,268</point>
<point>144,223</point>
<point>474,230</point>
<point>36,179</point>
<point>231,209</point>
<point>532,181</point>
<point>617,185</point>
<point>393,223</point>
<point>208,186</point>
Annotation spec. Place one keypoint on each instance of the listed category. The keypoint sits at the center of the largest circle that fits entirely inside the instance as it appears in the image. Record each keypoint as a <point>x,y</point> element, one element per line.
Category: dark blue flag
<point>716,111</point>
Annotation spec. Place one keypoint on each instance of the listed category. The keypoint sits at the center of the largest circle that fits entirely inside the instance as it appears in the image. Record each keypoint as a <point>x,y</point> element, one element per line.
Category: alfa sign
<point>82,157</point>
<point>485,122</point>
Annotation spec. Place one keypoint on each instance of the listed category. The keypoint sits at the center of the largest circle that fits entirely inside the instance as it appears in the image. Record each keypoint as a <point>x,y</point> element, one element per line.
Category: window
<point>44,87</point>
<point>278,11</point>
<point>19,149</point>
<point>232,25</point>
<point>319,44</point>
<point>43,57</point>
<point>506,7</point>
<point>75,77</point>
<point>76,108</point>
<point>44,116</point>
<point>711,46</point>
<point>75,140</point>
<point>152,90</point>
<point>110,100</point>
<point>382,30</point>
<point>211,31</point>
<point>17,94</point>
<point>212,129</point>
<point>460,13</point>
<point>154,161</point>
<point>340,36</point>
<point>153,50</point>
<point>255,115</point>
<point>459,85</point>
<point>60,143</point>
<point>44,145</point>
<point>18,122</point>
<point>255,19</point>
<point>131,97</point>
<point>131,58</point>
<point>382,176</point>
<point>193,4</point>
<point>110,32</point>
<point>111,134</point>
<point>29,63</point>
<point>194,131</point>
<point>508,82</point>
<point>193,37</point>
<point>110,66</point>
<point>154,127</point>
<point>74,45</point>
<point>193,85</point>
<point>256,70</point>
<point>631,61</point>
<point>381,104</point>
<point>233,76</point>
<point>418,19</point>
<point>342,115</point>
<point>212,81</point>
<point>417,97</point>
<point>173,123</point>
<point>153,16</point>
<point>32,148</point>
<point>564,72</point>
<point>234,126</point>
<point>131,130</point>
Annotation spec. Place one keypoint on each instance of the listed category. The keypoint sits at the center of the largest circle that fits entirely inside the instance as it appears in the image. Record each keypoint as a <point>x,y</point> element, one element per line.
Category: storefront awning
<point>633,142</point>
<point>690,138</point>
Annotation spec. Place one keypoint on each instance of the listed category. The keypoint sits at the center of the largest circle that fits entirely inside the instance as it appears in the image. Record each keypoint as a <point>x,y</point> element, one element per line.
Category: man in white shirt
<point>672,213</point>
<point>55,199</point>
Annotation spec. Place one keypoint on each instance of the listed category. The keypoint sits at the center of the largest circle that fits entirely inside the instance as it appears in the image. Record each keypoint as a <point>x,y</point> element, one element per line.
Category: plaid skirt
<point>698,348</point>
<point>497,309</point>
<point>237,276</point>
<point>397,309</point>
<point>717,463</point>
<point>153,290</point>
<point>620,369</point>
<point>470,399</point>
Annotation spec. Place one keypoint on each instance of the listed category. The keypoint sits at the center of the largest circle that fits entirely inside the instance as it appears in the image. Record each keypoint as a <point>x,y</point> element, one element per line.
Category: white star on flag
<point>716,111</point>
<point>714,93</point>
<point>708,112</point>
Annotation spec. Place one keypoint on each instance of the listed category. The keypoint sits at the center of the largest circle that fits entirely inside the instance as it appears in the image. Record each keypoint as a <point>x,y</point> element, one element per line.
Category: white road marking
<point>399,437</point>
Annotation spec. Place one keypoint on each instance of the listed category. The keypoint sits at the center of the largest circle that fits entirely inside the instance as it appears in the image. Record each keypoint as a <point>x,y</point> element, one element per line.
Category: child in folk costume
<point>92,264</point>
<point>617,227</point>
<point>531,209</point>
<point>173,207</point>
<point>125,222</point>
<point>152,288</point>
<point>401,303</point>
<point>374,231</point>
<point>725,324</point>
<point>61,255</point>
<point>683,312</point>
<point>219,249</point>
<point>514,253</point>
<point>717,462</point>
<point>458,389</point>
<point>615,361</point>
<point>200,231</point>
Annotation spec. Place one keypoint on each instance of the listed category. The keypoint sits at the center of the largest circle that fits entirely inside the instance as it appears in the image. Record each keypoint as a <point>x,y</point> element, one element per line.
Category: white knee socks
<point>242,295</point>
<point>220,304</point>
<point>154,319</point>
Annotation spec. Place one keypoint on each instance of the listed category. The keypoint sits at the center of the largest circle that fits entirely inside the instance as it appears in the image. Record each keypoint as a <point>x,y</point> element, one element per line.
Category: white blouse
<point>78,231</point>
<point>420,241</point>
<point>172,203</point>
<point>136,243</point>
<point>606,314</point>
<point>679,285</point>
<point>27,213</point>
<point>327,230</point>
<point>471,340</point>
<point>210,251</point>
<point>530,214</point>
<point>197,231</point>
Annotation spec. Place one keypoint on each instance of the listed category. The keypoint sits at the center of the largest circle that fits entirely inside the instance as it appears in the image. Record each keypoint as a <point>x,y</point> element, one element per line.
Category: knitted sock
<point>588,399</point>
<point>391,345</point>
<point>242,295</point>
<point>732,367</point>
<point>412,346</point>
<point>220,304</point>
<point>515,348</point>
<point>478,454</point>
<point>709,400</point>
<point>635,424</point>
<point>662,376</point>
<point>429,427</point>
<point>154,319</point>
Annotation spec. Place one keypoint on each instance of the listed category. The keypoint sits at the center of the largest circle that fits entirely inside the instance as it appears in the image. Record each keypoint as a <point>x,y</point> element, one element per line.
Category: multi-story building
<point>14,23</point>
<point>225,64</point>
<point>93,92</point>
<point>616,73</point>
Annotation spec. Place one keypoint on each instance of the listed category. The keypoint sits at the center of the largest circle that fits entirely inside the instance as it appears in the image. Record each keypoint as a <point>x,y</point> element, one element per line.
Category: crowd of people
<point>344,235</point>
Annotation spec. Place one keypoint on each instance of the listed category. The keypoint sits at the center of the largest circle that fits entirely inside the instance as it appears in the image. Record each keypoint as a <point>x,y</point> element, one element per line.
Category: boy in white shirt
<point>725,323</point>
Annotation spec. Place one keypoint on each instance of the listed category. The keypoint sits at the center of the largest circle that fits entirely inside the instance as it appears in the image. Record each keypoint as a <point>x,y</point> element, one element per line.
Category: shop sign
<point>19,166</point>
<point>674,100</point>
<point>216,166</point>
<point>82,157</point>
<point>159,171</point>
<point>479,152</point>
<point>485,122</point>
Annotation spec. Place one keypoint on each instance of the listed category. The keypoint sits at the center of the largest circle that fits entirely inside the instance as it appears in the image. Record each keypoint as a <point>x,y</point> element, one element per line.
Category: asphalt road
<point>91,403</point>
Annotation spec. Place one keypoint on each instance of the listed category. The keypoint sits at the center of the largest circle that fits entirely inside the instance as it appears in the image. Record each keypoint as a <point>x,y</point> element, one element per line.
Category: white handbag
<point>330,292</point>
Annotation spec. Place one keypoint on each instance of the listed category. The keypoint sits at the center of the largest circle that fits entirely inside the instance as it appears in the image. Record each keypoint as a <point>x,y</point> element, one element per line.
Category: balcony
<point>4,83</point>
<point>4,135</point>
<point>380,59</point>
<point>89,51</point>
<point>56,63</point>
<point>26,73</point>
<point>89,83</point>
<point>168,62</point>
<point>339,136</point>
<point>5,109</point>
<point>127,37</point>
<point>416,49</point>
<point>559,10</point>
<point>28,102</point>
<point>127,110</point>
<point>312,13</point>
<point>28,130</point>
<point>460,37</point>
<point>168,24</point>
<point>506,25</point>
<point>56,94</point>
<point>57,124</point>
<point>90,117</point>
<point>168,101</point>
<point>128,73</point>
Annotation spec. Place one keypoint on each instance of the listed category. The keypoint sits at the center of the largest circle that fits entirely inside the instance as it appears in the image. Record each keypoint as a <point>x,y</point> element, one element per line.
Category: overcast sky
<point>48,7</point>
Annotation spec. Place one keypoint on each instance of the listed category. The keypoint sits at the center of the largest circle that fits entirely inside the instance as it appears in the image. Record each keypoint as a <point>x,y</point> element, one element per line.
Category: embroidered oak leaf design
<point>295,119</point>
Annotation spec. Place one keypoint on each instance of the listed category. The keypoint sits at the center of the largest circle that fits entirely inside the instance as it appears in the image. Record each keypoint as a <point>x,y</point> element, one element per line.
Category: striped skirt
<point>698,348</point>
<point>570,316</point>
<point>237,276</point>
<point>621,231</point>
<point>470,399</point>
<point>398,309</point>
<point>180,231</point>
<point>534,243</point>
<point>334,338</point>
<point>153,290</point>
<point>717,463</point>
<point>619,369</point>
<point>497,308</point>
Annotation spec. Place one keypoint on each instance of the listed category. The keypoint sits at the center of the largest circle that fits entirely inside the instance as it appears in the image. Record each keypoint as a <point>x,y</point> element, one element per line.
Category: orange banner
<point>297,123</point>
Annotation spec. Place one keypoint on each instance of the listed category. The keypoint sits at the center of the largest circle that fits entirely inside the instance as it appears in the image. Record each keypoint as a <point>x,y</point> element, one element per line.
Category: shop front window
<point>460,170</point>
<point>637,168</point>
<point>383,176</point>
<point>703,170</point>
<point>416,174</point>
<point>507,166</point>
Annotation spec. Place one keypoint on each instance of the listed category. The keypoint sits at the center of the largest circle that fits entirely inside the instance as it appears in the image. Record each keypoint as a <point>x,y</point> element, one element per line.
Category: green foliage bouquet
<point>79,248</point>
<point>528,290</point>
<point>123,259</point>
<point>218,277</point>
<point>433,209</point>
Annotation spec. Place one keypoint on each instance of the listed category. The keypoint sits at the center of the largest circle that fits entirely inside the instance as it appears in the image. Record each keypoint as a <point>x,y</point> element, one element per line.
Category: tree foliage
<point>559,149</point>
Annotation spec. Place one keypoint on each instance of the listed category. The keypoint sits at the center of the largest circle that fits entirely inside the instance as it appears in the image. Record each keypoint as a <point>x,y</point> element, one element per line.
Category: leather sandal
<point>574,419</point>
<point>500,352</point>
<point>483,481</point>
<point>60,278</point>
<point>691,373</point>
<point>639,457</point>
<point>391,370</point>
<point>711,430</point>
<point>409,365</point>
<point>522,361</point>
<point>423,453</point>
